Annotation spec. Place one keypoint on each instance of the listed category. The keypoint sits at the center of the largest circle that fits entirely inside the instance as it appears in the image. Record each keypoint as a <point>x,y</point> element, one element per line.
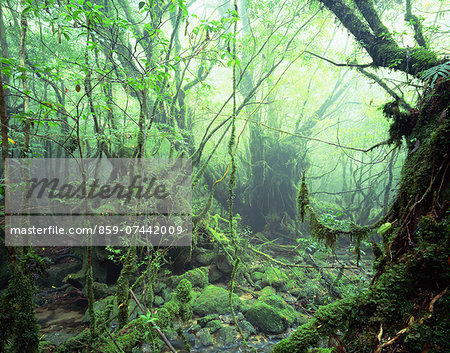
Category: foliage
<point>433,73</point>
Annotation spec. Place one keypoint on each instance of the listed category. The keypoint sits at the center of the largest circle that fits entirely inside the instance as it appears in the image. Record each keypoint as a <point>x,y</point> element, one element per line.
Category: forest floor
<point>269,300</point>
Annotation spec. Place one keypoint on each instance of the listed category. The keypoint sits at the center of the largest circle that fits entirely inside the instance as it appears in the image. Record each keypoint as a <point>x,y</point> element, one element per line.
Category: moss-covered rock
<point>267,290</point>
<point>202,321</point>
<point>226,335</point>
<point>158,301</point>
<point>271,313</point>
<point>274,277</point>
<point>198,277</point>
<point>203,338</point>
<point>266,318</point>
<point>215,300</point>
<point>205,258</point>
<point>214,326</point>
<point>100,290</point>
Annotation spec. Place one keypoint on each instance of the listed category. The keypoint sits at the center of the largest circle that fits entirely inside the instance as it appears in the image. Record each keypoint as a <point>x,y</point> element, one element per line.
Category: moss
<point>204,320</point>
<point>300,340</point>
<point>123,286</point>
<point>271,314</point>
<point>214,300</point>
<point>198,277</point>
<point>214,325</point>
<point>275,277</point>
<point>18,326</point>
<point>267,291</point>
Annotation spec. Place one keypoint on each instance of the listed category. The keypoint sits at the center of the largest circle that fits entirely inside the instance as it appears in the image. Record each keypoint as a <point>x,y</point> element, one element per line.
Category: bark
<point>26,98</point>
<point>417,25</point>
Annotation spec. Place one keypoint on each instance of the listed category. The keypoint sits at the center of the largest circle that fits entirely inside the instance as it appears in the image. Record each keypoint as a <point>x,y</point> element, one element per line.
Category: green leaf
<point>384,228</point>
<point>141,5</point>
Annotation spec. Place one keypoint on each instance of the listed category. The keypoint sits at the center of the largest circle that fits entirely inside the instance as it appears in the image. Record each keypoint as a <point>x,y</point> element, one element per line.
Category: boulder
<point>214,300</point>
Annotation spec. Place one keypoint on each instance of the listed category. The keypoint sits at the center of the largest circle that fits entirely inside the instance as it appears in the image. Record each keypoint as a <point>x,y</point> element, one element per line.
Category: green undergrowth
<point>141,329</point>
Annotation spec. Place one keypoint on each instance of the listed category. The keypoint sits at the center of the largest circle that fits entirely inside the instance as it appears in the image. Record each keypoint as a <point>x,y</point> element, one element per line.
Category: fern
<point>433,73</point>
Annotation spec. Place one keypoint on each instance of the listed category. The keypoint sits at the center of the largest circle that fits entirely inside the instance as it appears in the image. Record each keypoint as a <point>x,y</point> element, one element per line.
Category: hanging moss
<point>322,232</point>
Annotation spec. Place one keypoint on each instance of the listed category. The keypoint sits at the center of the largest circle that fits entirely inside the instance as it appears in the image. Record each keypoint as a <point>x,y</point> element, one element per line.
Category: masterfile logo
<point>117,202</point>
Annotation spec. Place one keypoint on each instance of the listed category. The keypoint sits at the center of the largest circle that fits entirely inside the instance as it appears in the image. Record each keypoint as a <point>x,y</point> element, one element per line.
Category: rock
<point>256,276</point>
<point>247,327</point>
<point>166,294</point>
<point>214,274</point>
<point>239,316</point>
<point>206,258</point>
<point>101,306</point>
<point>266,318</point>
<point>271,313</point>
<point>214,300</point>
<point>274,277</point>
<point>214,326</point>
<point>226,335</point>
<point>158,301</point>
<point>204,320</point>
<point>57,338</point>
<point>223,264</point>
<point>203,338</point>
<point>100,290</point>
<point>194,328</point>
<point>158,287</point>
<point>267,291</point>
<point>56,273</point>
<point>198,277</point>
<point>226,319</point>
<point>285,310</point>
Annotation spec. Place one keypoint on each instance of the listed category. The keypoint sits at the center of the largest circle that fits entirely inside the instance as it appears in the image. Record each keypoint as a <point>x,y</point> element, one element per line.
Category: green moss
<point>271,314</point>
<point>300,340</point>
<point>198,277</point>
<point>18,326</point>
<point>214,300</point>
<point>214,325</point>
<point>204,320</point>
<point>274,277</point>
<point>267,291</point>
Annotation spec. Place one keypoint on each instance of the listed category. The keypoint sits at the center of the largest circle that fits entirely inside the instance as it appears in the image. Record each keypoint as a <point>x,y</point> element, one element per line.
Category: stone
<point>226,336</point>
<point>214,274</point>
<point>202,321</point>
<point>267,290</point>
<point>214,300</point>
<point>223,264</point>
<point>266,318</point>
<point>214,326</point>
<point>203,338</point>
<point>57,338</point>
<point>198,277</point>
<point>247,327</point>
<point>274,277</point>
<point>206,258</point>
<point>100,290</point>
<point>158,301</point>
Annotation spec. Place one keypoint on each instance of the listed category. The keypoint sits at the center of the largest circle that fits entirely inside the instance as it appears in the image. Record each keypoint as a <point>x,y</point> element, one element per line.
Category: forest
<point>296,157</point>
